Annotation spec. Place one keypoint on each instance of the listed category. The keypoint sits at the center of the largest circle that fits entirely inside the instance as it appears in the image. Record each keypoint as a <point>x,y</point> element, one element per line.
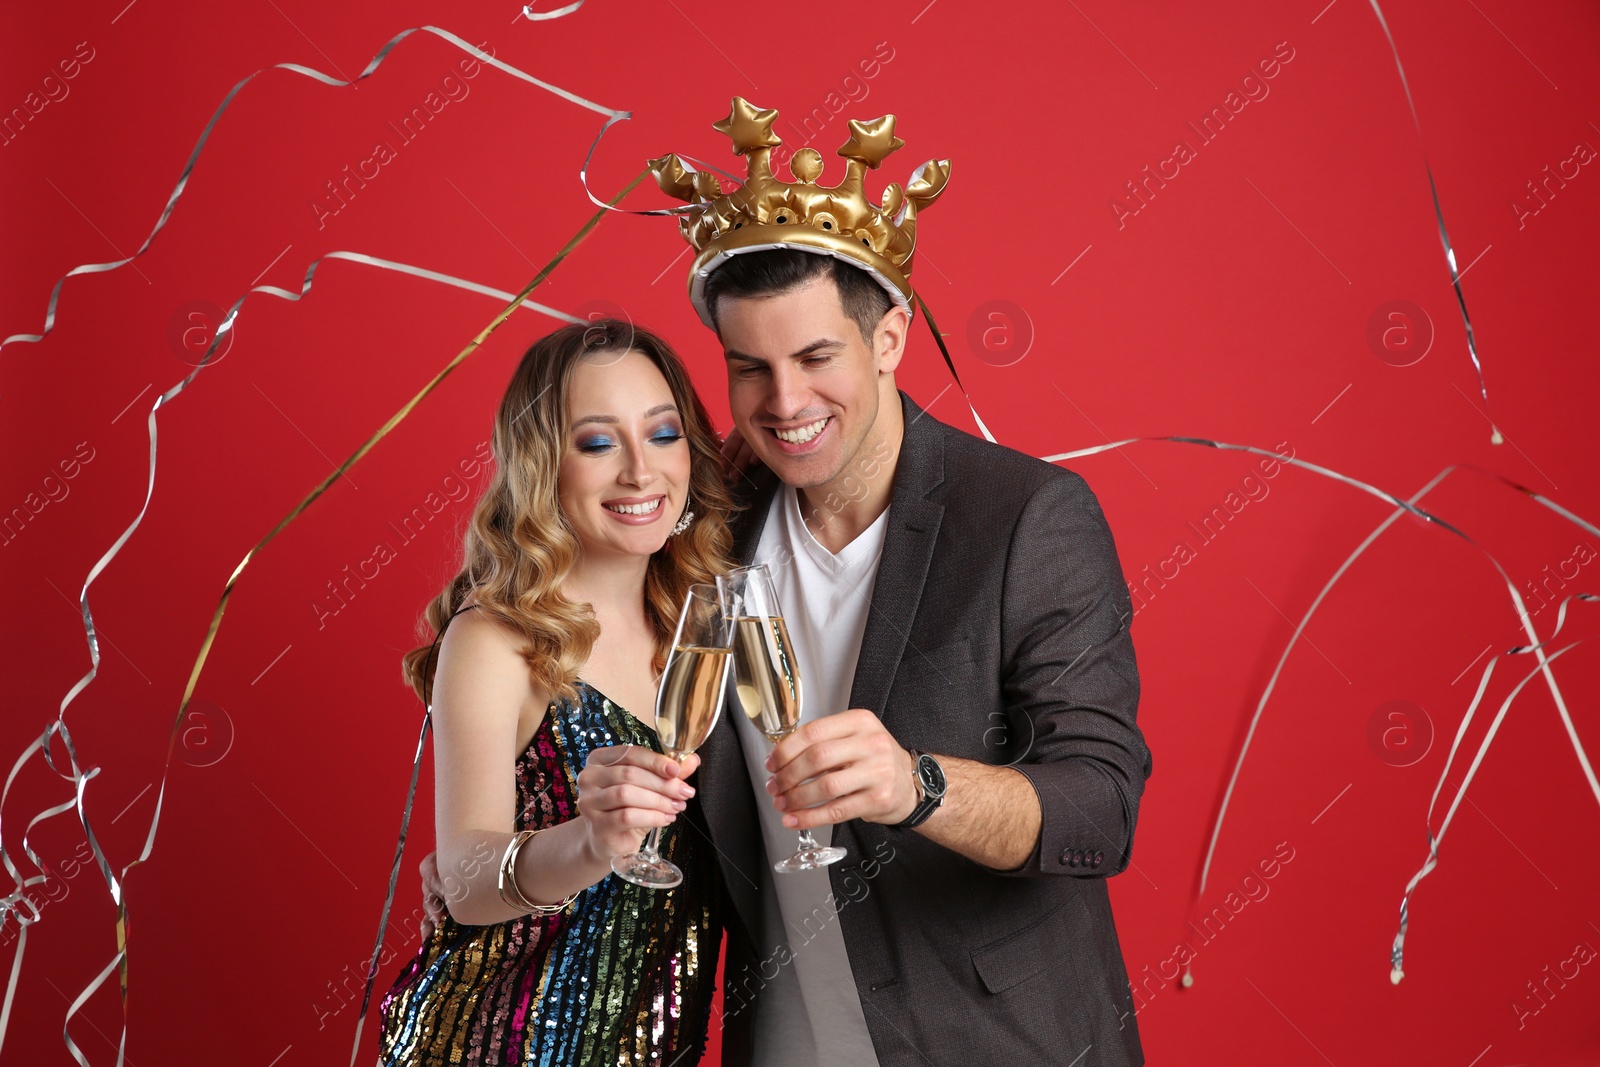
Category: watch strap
<point>926,804</point>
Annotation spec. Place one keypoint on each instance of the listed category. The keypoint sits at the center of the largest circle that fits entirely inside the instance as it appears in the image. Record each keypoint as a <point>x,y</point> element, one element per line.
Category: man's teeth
<point>803,434</point>
<point>635,509</point>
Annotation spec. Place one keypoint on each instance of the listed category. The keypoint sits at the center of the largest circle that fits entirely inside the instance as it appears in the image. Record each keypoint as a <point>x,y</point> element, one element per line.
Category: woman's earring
<point>683,524</point>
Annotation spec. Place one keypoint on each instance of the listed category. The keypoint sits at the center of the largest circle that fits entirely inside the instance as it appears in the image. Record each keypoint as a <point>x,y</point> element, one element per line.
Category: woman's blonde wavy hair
<point>519,548</point>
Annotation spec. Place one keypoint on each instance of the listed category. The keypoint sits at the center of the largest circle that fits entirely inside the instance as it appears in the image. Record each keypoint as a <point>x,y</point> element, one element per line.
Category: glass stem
<point>648,847</point>
<point>807,842</point>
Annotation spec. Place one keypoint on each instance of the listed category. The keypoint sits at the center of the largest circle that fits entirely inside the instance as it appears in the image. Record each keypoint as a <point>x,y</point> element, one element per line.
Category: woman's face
<point>624,476</point>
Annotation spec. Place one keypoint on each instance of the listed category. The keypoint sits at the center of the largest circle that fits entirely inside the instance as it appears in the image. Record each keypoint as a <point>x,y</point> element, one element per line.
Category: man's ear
<point>889,339</point>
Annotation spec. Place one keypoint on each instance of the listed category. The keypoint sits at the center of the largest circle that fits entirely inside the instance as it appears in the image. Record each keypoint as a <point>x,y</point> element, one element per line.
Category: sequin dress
<point>623,977</point>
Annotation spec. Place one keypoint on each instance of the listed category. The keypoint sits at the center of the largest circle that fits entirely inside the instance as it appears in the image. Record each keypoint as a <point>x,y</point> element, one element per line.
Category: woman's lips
<point>635,510</point>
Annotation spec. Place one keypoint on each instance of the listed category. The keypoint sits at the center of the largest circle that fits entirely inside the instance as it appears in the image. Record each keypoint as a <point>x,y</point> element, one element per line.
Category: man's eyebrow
<point>612,420</point>
<point>820,343</point>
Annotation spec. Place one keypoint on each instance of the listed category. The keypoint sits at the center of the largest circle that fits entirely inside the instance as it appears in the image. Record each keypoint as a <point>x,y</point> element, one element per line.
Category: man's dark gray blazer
<point>998,631</point>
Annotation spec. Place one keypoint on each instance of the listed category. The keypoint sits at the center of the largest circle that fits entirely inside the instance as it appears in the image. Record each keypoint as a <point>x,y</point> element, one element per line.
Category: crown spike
<point>806,165</point>
<point>928,181</point>
<point>759,163</point>
<point>904,240</point>
<point>893,197</point>
<point>705,186</point>
<point>675,177</point>
<point>854,180</point>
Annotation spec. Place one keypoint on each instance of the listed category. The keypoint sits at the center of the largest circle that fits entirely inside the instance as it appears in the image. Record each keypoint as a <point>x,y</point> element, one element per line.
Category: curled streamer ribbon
<point>8,906</point>
<point>1495,436</point>
<point>325,79</point>
<point>1402,507</point>
<point>81,778</point>
<point>399,268</point>
<point>1397,951</point>
<point>540,16</point>
<point>938,339</point>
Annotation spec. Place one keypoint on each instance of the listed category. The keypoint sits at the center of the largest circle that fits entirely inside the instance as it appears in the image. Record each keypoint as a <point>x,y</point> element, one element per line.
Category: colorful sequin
<point>623,977</point>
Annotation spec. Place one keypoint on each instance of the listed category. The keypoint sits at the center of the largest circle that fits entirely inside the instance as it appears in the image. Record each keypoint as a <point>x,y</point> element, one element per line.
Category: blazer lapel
<point>913,528</point>
<point>758,488</point>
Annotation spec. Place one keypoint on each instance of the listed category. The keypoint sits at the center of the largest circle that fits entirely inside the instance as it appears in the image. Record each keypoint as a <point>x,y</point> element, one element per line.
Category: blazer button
<point>1068,858</point>
<point>1098,856</point>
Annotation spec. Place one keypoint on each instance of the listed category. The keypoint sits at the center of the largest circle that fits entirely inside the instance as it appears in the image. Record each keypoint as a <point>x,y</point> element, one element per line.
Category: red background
<point>1234,305</point>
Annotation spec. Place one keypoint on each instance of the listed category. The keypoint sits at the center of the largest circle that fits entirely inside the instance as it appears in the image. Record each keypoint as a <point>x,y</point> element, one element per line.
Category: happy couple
<point>967,735</point>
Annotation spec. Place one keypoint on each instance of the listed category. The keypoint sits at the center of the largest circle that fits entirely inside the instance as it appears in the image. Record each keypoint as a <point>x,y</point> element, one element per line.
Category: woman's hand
<point>625,792</point>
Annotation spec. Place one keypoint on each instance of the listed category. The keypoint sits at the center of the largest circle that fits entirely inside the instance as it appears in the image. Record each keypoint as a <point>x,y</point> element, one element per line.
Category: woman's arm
<point>480,690</point>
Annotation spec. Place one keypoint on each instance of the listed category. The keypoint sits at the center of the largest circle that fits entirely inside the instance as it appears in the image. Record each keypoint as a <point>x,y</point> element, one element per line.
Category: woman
<point>606,503</point>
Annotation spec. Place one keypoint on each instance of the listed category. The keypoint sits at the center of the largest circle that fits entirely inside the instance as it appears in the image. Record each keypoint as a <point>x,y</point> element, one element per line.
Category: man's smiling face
<point>804,386</point>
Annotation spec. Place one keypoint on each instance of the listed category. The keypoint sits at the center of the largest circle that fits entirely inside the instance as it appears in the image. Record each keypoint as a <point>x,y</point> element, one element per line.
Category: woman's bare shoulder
<point>482,655</point>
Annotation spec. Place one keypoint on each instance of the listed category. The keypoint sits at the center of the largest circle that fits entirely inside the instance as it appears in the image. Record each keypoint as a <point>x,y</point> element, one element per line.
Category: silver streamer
<point>325,79</point>
<point>13,905</point>
<point>1402,506</point>
<point>1495,436</point>
<point>16,906</point>
<point>1397,951</point>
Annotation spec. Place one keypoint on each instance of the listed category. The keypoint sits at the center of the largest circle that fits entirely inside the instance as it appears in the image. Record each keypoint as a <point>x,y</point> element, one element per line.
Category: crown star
<point>871,141</point>
<point>748,126</point>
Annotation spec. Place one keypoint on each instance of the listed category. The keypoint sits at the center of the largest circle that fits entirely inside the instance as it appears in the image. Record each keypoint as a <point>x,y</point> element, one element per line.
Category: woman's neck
<point>613,585</point>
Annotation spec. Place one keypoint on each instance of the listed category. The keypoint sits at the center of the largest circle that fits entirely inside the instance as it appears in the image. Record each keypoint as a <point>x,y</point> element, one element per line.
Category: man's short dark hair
<point>780,270</point>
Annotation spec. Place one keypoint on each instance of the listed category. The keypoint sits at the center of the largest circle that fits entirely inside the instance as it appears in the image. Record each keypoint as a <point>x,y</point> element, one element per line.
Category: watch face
<point>932,775</point>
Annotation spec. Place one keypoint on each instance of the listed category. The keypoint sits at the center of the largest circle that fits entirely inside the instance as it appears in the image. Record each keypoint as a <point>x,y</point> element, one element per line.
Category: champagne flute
<point>687,704</point>
<point>767,681</point>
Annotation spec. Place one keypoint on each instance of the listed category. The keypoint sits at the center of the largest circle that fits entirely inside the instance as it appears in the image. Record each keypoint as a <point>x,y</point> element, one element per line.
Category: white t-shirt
<point>810,1015</point>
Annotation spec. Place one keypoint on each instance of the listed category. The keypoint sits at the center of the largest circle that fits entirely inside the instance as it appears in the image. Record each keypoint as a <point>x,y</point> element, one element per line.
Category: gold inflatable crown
<point>767,212</point>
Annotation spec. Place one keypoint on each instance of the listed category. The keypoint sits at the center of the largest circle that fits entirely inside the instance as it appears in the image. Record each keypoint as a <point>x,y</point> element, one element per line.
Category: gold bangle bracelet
<point>512,893</point>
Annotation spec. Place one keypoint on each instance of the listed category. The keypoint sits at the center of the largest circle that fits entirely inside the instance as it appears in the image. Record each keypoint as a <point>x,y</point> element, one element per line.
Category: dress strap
<point>427,663</point>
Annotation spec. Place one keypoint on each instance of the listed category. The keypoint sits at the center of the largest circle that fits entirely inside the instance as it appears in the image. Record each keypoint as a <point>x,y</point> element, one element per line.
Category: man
<point>960,620</point>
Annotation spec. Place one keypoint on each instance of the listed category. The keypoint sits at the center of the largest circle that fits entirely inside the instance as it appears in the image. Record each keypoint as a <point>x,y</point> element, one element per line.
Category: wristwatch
<point>929,779</point>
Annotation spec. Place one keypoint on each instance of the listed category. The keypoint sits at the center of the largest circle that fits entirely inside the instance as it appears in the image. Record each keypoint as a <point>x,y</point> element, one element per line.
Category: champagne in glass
<point>687,703</point>
<point>691,691</point>
<point>767,681</point>
<point>765,677</point>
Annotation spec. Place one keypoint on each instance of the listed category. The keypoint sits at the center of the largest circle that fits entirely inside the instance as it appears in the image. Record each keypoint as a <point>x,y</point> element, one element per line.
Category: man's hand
<point>738,454</point>
<point>625,792</point>
<point>439,889</point>
<point>847,766</point>
<point>433,890</point>
<point>841,767</point>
